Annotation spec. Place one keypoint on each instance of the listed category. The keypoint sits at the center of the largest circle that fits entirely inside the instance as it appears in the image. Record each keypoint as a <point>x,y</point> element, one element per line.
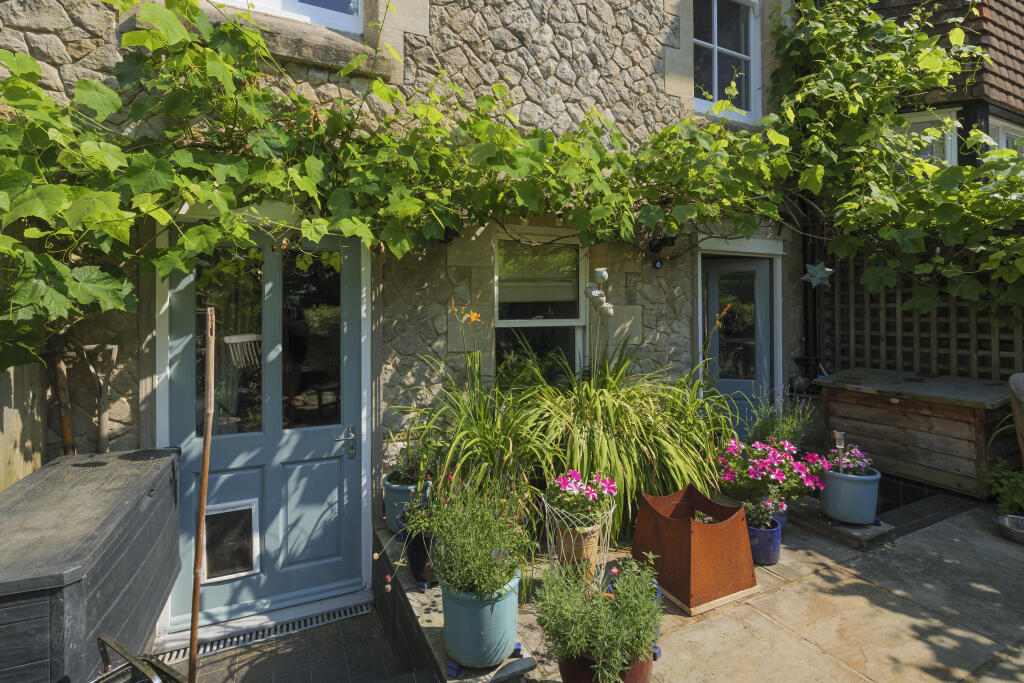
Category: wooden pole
<point>204,477</point>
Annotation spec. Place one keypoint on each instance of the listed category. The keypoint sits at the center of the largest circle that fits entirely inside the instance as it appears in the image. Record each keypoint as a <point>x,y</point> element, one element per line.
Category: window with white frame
<point>343,15</point>
<point>539,300</point>
<point>726,43</point>
<point>1006,134</point>
<point>942,149</point>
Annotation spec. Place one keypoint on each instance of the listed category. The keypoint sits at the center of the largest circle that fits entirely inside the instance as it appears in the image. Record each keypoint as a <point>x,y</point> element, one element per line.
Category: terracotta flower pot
<point>579,670</point>
<point>578,546</point>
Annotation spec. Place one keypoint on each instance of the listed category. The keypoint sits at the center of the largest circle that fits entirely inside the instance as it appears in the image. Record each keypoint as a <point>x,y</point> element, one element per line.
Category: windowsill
<point>300,41</point>
<point>703,108</point>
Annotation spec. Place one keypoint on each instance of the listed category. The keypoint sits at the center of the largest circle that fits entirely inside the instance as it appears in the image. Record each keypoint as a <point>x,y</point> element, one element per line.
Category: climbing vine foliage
<point>200,145</point>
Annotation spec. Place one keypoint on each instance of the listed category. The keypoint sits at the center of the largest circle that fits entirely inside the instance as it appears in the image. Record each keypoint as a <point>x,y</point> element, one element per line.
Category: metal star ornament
<point>817,274</point>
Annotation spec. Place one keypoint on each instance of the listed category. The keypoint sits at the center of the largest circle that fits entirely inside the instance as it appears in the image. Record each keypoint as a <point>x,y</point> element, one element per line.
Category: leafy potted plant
<point>478,552</point>
<point>1008,487</point>
<point>765,531</point>
<point>577,512</point>
<point>771,471</point>
<point>401,487</point>
<point>851,485</point>
<point>597,634</point>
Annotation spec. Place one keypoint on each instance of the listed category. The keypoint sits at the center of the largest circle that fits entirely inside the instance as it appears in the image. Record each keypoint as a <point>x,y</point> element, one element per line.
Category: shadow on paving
<point>942,603</point>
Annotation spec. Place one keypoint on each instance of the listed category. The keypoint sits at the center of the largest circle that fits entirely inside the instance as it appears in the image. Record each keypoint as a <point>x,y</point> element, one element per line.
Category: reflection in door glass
<point>311,339</point>
<point>737,352</point>
<point>232,282</point>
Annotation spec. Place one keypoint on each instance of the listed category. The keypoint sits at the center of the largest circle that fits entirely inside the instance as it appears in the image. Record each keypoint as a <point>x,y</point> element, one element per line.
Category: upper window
<point>344,15</point>
<point>539,301</point>
<point>726,39</point>
<point>942,149</point>
<point>1006,134</point>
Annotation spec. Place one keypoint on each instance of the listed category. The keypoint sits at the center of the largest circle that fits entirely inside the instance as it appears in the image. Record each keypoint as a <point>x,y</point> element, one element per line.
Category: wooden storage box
<point>90,546</point>
<point>934,430</point>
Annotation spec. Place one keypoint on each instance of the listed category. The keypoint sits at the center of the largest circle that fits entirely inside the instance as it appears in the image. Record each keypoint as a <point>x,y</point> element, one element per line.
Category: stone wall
<point>22,420</point>
<point>72,39</point>
<point>560,59</point>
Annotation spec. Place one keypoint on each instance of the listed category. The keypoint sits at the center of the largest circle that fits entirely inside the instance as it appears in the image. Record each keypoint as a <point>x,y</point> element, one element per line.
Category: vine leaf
<point>41,201</point>
<point>97,97</point>
<point>170,28</point>
<point>100,211</point>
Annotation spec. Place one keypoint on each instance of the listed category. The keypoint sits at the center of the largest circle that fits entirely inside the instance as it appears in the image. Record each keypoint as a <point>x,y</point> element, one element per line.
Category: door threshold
<point>173,647</point>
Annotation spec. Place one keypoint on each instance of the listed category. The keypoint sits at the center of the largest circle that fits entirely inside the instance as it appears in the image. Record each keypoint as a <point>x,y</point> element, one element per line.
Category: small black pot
<point>417,550</point>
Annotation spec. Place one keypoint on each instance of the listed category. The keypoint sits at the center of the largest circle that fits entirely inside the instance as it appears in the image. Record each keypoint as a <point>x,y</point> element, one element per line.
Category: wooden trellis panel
<point>865,330</point>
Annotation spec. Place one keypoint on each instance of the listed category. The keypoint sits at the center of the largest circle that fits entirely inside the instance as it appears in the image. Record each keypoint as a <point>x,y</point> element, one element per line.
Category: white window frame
<point>554,236</point>
<point>1005,133</point>
<point>319,16</point>
<point>702,106</point>
<point>252,504</point>
<point>935,118</point>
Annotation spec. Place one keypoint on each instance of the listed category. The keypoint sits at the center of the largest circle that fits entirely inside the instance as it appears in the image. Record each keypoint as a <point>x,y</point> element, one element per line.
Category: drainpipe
<point>811,331</point>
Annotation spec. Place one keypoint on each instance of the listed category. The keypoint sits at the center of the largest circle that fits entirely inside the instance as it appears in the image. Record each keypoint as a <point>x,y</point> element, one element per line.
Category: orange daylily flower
<point>474,317</point>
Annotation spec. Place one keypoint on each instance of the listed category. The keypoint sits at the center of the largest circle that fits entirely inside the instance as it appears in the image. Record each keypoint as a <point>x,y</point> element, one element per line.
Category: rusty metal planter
<point>700,566</point>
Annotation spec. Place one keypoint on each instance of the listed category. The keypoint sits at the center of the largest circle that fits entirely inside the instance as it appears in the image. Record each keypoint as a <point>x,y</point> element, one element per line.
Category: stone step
<point>806,513</point>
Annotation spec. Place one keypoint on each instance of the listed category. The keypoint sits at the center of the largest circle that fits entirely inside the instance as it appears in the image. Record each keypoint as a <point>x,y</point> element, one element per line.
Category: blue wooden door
<point>284,507</point>
<point>740,350</point>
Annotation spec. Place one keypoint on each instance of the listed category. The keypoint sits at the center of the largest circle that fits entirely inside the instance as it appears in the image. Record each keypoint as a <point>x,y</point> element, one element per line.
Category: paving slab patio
<point>942,603</point>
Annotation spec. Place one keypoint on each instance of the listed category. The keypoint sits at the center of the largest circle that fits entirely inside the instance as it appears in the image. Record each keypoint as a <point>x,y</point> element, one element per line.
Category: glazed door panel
<point>284,503</point>
<point>740,351</point>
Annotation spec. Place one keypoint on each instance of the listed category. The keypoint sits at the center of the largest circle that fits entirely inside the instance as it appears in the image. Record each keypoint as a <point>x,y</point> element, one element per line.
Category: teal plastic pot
<point>851,498</point>
<point>480,632</point>
<point>396,499</point>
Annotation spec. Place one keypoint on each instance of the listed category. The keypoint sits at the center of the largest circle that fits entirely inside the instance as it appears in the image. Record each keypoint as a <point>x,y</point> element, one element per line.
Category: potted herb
<point>577,512</point>
<point>764,530</point>
<point>851,484</point>
<point>597,634</point>
<point>478,552</point>
<point>1008,487</point>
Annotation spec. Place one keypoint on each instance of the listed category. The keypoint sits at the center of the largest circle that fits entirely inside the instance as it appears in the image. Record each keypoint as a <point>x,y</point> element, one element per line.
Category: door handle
<point>350,436</point>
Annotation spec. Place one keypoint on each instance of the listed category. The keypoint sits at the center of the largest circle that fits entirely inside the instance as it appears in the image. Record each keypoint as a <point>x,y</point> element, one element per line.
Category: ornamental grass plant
<point>644,430</point>
<point>613,625</point>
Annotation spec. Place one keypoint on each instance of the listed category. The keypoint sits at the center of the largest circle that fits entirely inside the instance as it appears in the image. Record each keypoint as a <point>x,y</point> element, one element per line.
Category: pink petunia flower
<point>734,447</point>
<point>575,476</point>
<point>574,487</point>
<point>614,571</point>
<point>590,493</point>
<point>754,472</point>
<point>800,468</point>
<point>783,506</point>
<point>563,482</point>
<point>728,475</point>
<point>788,447</point>
<point>827,464</point>
<point>608,487</point>
<point>778,475</point>
<point>812,458</point>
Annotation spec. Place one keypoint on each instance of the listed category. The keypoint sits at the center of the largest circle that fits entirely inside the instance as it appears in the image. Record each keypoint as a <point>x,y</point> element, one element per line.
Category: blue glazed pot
<point>481,632</point>
<point>396,499</point>
<point>766,544</point>
<point>851,498</point>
